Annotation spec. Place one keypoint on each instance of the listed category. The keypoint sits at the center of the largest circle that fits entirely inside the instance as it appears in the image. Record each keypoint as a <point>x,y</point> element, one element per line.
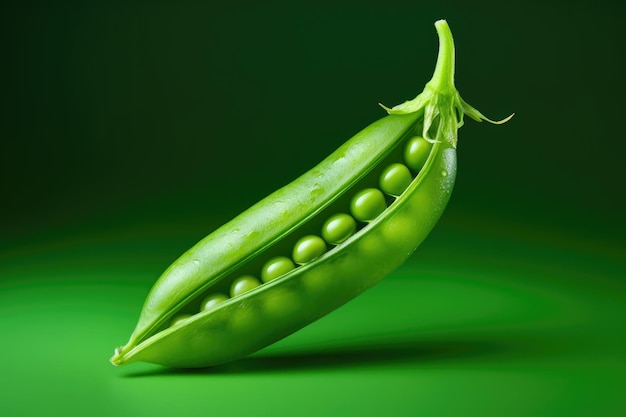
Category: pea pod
<point>344,233</point>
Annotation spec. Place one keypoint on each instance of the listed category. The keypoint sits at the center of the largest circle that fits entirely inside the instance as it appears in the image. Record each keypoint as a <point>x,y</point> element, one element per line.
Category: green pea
<point>281,303</point>
<point>338,228</point>
<point>367,204</point>
<point>401,230</point>
<point>243,284</point>
<point>212,301</point>
<point>308,248</point>
<point>395,179</point>
<point>244,319</point>
<point>179,319</point>
<point>255,318</point>
<point>276,267</point>
<point>416,153</point>
<point>319,280</point>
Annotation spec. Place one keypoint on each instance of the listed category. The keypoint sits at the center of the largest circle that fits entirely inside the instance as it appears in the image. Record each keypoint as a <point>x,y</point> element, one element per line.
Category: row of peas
<point>365,206</point>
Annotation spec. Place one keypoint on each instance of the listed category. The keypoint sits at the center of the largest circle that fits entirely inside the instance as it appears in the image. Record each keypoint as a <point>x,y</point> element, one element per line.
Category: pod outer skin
<point>266,222</point>
<point>245,324</point>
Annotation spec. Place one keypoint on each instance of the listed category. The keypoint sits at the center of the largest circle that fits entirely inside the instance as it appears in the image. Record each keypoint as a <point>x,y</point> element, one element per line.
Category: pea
<point>367,204</point>
<point>416,153</point>
<point>276,267</point>
<point>179,319</point>
<point>243,284</point>
<point>319,280</point>
<point>281,303</point>
<point>212,301</point>
<point>244,319</point>
<point>395,179</point>
<point>308,248</point>
<point>400,230</point>
<point>255,318</point>
<point>338,228</point>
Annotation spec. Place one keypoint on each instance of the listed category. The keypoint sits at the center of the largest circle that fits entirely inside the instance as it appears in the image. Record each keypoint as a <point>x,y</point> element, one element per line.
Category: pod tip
<point>116,359</point>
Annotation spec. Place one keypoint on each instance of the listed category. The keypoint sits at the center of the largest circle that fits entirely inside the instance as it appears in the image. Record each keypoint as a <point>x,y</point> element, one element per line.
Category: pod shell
<point>243,325</point>
<point>265,223</point>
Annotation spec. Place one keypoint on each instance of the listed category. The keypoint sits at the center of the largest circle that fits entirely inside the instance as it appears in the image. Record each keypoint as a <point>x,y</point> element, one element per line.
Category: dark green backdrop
<point>129,130</point>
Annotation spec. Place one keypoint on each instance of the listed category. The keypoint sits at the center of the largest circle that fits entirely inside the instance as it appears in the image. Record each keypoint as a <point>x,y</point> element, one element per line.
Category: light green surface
<point>473,325</point>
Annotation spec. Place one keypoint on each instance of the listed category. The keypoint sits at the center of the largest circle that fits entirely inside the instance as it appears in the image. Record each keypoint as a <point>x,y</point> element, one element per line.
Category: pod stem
<point>443,76</point>
<point>442,82</point>
<point>440,99</point>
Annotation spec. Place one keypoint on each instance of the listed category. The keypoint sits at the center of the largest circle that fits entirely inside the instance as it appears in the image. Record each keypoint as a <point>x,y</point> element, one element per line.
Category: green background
<point>130,130</point>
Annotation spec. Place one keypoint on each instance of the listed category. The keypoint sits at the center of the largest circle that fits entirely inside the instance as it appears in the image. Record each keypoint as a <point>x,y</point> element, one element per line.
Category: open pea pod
<point>314,244</point>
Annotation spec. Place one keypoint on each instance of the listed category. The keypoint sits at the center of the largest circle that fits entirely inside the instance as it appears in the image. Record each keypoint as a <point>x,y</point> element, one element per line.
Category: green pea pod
<point>178,327</point>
